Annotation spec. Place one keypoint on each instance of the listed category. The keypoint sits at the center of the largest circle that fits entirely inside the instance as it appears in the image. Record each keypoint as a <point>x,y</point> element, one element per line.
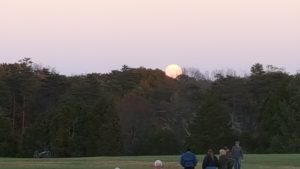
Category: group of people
<point>228,159</point>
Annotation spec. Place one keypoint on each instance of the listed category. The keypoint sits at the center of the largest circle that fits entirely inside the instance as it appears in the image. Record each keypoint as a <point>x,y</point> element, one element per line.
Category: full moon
<point>173,71</point>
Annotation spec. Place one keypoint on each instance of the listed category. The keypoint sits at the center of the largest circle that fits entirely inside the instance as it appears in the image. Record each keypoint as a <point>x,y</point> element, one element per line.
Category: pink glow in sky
<point>82,36</point>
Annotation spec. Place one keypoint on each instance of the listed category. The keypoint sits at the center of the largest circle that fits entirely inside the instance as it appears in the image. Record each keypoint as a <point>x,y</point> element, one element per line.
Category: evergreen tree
<point>212,125</point>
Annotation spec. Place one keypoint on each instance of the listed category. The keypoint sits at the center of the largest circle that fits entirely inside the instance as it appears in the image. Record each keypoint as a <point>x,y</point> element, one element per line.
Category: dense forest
<point>140,111</point>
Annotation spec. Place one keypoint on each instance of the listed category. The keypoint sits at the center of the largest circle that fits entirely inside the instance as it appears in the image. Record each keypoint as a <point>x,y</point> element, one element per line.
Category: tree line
<point>140,111</point>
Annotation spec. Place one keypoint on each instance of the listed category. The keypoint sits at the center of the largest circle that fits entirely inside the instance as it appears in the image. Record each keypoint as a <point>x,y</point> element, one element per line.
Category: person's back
<point>210,161</point>
<point>223,160</point>
<point>188,160</point>
<point>230,159</point>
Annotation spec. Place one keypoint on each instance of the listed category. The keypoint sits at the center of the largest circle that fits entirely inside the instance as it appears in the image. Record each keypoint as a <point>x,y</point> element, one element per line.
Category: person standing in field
<point>237,155</point>
<point>210,161</point>
<point>188,160</point>
<point>223,159</point>
<point>229,157</point>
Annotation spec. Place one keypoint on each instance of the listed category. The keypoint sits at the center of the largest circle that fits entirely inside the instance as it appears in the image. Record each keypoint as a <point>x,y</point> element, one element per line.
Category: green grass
<point>143,162</point>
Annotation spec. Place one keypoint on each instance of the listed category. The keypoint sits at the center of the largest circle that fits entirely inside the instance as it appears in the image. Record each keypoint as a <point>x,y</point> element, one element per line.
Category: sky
<point>85,36</point>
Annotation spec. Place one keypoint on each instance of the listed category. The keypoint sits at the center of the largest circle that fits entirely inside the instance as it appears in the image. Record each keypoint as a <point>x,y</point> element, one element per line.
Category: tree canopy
<point>140,111</point>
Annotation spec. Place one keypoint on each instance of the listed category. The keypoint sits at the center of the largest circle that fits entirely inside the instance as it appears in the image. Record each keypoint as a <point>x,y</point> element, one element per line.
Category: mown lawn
<point>143,162</point>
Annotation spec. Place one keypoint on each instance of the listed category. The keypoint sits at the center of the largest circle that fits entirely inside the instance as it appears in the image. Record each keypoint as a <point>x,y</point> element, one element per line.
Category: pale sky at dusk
<point>83,36</point>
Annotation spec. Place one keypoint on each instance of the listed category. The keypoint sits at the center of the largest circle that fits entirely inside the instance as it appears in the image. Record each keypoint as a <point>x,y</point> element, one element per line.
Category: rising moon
<point>173,71</point>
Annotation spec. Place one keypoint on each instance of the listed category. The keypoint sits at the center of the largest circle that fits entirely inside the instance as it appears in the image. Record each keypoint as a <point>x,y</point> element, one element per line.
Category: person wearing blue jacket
<point>188,160</point>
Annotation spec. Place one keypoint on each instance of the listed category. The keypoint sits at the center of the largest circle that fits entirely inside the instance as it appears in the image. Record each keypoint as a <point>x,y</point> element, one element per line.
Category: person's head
<point>188,149</point>
<point>158,164</point>
<point>210,152</point>
<point>237,143</point>
<point>222,152</point>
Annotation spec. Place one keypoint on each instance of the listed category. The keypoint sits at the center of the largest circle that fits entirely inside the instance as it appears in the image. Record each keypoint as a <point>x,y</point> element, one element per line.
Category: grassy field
<point>143,162</point>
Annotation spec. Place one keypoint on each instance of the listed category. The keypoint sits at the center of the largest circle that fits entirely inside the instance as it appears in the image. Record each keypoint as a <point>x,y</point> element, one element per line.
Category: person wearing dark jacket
<point>223,160</point>
<point>210,161</point>
<point>188,160</point>
<point>229,157</point>
<point>237,155</point>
